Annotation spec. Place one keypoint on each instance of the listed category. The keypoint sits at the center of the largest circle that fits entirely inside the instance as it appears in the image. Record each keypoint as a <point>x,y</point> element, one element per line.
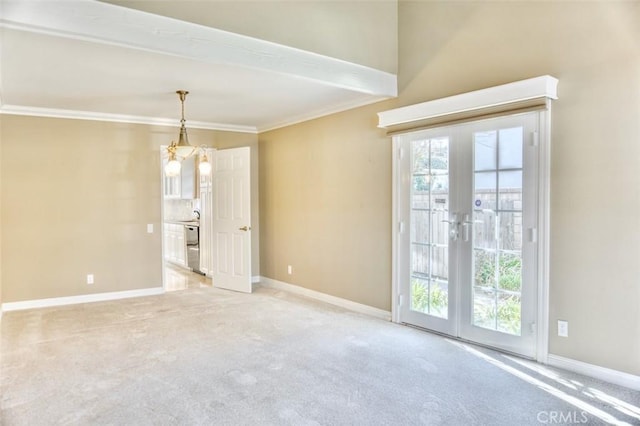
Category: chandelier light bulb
<point>204,166</point>
<point>172,169</point>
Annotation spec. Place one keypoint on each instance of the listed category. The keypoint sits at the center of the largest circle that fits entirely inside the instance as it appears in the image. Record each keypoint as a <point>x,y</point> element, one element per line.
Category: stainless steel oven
<point>192,235</point>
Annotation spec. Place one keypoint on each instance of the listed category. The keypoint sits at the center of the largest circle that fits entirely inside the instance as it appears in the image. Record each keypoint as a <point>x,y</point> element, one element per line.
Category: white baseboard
<point>608,375</point>
<point>85,298</point>
<point>323,297</point>
<point>255,279</point>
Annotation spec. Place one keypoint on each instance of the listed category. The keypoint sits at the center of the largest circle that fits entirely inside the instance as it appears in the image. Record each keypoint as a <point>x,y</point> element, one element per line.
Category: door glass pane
<point>484,228</point>
<point>484,308</point>
<point>420,184</point>
<point>420,260</point>
<point>485,184</point>
<point>510,184</point>
<point>485,269</point>
<point>486,150</point>
<point>497,235</point>
<point>429,229</point>
<point>511,231</point>
<point>510,153</point>
<point>509,314</point>
<point>486,181</point>
<point>510,272</point>
<point>420,227</point>
<point>420,295</point>
<point>420,157</point>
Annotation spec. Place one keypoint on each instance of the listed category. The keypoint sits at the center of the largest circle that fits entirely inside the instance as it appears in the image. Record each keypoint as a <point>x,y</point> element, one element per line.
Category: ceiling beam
<point>116,25</point>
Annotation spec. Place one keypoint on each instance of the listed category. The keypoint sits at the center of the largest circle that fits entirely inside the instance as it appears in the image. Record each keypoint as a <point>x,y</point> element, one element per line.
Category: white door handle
<point>467,224</point>
<point>453,226</point>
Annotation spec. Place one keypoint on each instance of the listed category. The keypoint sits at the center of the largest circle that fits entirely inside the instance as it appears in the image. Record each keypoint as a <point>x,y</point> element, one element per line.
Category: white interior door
<point>466,243</point>
<point>231,222</point>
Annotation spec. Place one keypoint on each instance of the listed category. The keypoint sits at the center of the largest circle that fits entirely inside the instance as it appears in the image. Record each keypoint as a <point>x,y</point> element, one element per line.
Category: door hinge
<point>400,153</point>
<point>401,227</point>
<point>533,327</point>
<point>399,300</point>
<point>535,138</point>
<point>533,235</point>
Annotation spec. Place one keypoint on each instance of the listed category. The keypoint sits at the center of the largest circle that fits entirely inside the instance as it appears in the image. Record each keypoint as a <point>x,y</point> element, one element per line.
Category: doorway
<point>221,229</point>
<point>467,245</point>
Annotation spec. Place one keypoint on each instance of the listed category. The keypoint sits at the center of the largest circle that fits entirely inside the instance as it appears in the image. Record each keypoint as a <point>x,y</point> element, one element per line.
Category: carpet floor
<point>211,357</point>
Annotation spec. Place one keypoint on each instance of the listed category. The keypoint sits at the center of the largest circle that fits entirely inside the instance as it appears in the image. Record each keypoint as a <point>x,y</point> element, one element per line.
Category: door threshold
<point>468,342</point>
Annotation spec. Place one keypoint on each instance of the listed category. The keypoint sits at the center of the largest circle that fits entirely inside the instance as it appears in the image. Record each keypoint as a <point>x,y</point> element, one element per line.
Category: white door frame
<point>544,221</point>
<point>211,154</point>
<point>531,92</point>
<point>543,196</point>
<point>163,156</point>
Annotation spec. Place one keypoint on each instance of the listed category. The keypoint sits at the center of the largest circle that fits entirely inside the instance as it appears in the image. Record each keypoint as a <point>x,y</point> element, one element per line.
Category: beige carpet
<point>212,357</point>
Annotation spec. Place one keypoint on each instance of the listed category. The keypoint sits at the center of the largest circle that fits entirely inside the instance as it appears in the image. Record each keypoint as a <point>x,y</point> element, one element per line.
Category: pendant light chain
<point>183,95</point>
<point>173,166</point>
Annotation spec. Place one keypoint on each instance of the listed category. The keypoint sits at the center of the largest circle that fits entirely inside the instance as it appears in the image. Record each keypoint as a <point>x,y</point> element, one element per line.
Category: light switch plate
<point>563,328</point>
<point>150,228</point>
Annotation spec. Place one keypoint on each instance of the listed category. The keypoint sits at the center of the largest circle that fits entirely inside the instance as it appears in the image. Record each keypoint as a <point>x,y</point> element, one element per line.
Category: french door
<point>466,244</point>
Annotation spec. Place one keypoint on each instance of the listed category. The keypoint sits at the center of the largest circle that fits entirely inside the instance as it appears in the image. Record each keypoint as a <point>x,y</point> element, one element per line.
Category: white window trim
<point>545,88</point>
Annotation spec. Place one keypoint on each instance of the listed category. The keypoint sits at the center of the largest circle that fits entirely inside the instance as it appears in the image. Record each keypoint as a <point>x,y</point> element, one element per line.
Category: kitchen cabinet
<point>175,245</point>
<point>172,187</point>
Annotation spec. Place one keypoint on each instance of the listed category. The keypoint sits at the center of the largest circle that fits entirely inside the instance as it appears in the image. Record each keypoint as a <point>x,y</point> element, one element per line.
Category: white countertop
<point>184,222</point>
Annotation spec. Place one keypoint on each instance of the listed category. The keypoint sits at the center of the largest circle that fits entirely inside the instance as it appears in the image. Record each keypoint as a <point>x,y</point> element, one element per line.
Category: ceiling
<point>91,60</point>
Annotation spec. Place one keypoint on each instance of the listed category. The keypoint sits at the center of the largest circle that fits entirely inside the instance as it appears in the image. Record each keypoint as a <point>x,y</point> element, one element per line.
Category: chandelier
<point>182,150</point>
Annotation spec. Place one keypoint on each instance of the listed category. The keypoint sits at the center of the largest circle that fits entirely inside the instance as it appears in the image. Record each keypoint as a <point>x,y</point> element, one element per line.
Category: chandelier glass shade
<point>180,150</point>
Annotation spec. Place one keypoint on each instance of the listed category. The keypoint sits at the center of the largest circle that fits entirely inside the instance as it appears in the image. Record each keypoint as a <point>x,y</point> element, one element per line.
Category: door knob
<point>245,228</point>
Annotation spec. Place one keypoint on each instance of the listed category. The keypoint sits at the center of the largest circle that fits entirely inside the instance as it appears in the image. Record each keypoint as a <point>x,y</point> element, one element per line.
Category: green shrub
<point>509,268</point>
<point>508,315</point>
<point>433,302</point>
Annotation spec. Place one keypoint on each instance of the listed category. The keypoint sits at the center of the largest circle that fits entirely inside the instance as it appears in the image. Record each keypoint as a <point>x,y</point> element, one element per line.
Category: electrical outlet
<point>90,279</point>
<point>289,269</point>
<point>563,328</point>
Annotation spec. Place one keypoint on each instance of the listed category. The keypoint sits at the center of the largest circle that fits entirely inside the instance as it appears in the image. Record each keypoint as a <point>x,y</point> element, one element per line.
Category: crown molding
<point>157,121</point>
<point>119,118</point>
<point>300,118</point>
<point>91,20</point>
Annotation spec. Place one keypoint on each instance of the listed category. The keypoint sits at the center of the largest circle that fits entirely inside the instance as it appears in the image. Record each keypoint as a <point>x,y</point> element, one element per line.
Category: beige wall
<point>325,190</point>
<point>363,32</point>
<point>325,184</point>
<point>76,198</point>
